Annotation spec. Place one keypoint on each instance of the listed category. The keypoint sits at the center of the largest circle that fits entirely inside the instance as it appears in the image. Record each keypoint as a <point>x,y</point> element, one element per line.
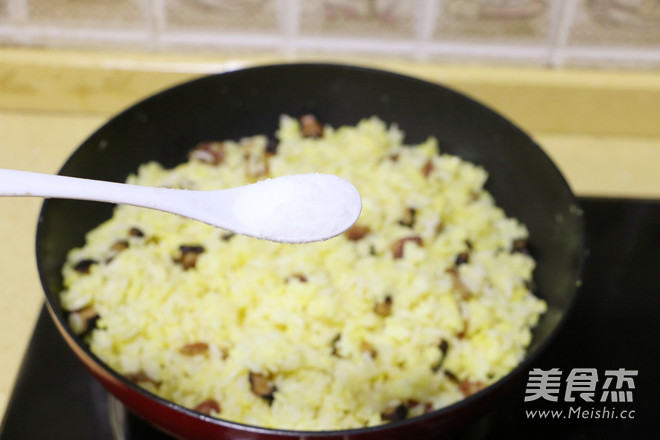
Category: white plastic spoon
<point>290,209</point>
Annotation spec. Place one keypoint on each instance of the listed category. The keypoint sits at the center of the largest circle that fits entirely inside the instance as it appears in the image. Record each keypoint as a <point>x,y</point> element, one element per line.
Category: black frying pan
<point>523,181</point>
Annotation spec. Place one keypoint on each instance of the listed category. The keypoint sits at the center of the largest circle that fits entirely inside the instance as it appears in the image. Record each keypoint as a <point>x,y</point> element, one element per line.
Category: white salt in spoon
<point>290,209</point>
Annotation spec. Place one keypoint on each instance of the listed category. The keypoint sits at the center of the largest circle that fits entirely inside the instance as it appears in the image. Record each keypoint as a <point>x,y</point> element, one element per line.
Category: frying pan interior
<point>242,103</point>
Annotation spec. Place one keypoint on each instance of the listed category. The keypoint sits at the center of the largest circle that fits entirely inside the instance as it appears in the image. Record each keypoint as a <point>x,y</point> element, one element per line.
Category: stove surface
<point>613,326</point>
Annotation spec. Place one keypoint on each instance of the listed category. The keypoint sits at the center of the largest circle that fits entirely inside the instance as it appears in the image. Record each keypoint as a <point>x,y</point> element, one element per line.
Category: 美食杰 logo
<point>590,393</point>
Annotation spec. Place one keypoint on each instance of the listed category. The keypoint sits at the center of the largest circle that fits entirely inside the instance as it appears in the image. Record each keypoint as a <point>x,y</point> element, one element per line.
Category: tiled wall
<point>612,33</point>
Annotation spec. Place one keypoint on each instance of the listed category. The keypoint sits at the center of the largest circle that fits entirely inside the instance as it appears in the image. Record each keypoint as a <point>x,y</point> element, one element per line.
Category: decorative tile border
<point>608,33</point>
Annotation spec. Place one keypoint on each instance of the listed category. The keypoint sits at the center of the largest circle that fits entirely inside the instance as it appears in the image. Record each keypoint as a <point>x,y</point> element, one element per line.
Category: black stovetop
<point>614,325</point>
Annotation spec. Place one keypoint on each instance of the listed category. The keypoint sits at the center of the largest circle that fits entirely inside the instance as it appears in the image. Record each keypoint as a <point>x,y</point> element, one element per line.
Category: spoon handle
<point>28,184</point>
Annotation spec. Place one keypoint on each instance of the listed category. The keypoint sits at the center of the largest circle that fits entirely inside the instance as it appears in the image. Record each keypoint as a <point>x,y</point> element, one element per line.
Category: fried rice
<point>424,301</point>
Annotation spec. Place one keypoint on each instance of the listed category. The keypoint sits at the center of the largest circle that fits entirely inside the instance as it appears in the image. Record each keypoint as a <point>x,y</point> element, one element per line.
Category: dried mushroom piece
<point>256,165</point>
<point>227,236</point>
<point>469,387</point>
<point>407,409</point>
<point>208,152</point>
<point>520,246</point>
<point>408,217</point>
<point>296,276</point>
<point>208,407</point>
<point>119,246</point>
<point>458,284</point>
<point>443,346</point>
<point>194,348</point>
<point>464,331</point>
<point>399,245</point>
<point>84,266</point>
<point>262,386</point>
<point>428,168</point>
<point>369,349</point>
<point>84,320</point>
<point>395,413</point>
<point>416,408</point>
<point>310,127</point>
<point>451,376</point>
<point>271,146</point>
<point>142,377</point>
<point>384,308</point>
<point>189,255</point>
<point>334,345</point>
<point>357,232</point>
<point>462,258</point>
<point>136,232</point>
<point>466,386</point>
